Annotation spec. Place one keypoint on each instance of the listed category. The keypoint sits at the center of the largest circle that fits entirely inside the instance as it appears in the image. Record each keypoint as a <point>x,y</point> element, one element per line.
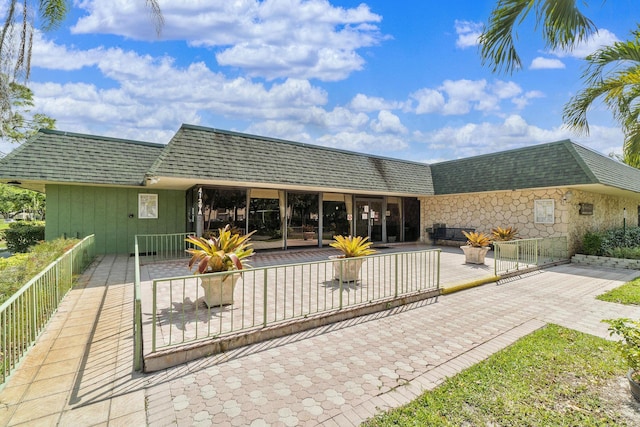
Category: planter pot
<point>392,239</point>
<point>347,268</point>
<point>633,386</point>
<point>218,290</point>
<point>474,255</point>
<point>308,235</point>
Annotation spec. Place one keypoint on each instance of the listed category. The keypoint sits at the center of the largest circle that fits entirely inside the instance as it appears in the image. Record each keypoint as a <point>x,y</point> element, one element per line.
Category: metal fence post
<point>395,258</point>
<point>264,298</point>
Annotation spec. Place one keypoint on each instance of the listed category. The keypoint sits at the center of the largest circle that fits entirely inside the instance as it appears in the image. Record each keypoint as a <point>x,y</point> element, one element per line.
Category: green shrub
<point>18,269</point>
<point>620,238</point>
<point>592,243</point>
<point>626,253</point>
<point>20,236</point>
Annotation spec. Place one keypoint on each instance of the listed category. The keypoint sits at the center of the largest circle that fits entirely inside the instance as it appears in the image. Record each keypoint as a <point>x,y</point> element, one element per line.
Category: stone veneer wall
<point>483,211</point>
<point>608,212</point>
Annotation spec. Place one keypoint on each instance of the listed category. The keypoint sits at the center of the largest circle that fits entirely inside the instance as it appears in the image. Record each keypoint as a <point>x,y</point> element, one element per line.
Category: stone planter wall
<point>603,261</point>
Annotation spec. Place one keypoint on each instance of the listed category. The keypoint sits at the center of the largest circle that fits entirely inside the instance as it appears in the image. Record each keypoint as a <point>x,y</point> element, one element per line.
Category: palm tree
<point>16,40</point>
<point>612,75</point>
<point>563,25</point>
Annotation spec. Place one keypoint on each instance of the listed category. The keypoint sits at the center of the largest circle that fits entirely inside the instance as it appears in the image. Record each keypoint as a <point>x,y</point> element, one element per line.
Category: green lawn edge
<point>551,377</point>
<point>628,293</point>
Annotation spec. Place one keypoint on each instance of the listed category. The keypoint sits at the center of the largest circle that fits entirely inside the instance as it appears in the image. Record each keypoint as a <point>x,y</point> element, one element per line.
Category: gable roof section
<point>54,156</point>
<point>210,154</point>
<point>561,163</point>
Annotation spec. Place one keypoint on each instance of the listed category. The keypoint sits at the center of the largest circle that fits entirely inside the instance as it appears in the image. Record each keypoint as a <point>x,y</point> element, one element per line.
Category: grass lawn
<point>553,377</point>
<point>629,293</point>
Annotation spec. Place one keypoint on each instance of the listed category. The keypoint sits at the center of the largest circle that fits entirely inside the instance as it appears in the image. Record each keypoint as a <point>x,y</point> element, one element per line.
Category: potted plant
<point>476,248</point>
<point>629,348</point>
<point>218,254</point>
<point>354,249</point>
<point>307,232</point>
<point>506,234</point>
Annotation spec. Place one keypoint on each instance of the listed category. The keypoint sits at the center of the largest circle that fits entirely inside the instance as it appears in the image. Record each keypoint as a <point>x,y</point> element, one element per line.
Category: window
<point>544,211</point>
<point>147,206</point>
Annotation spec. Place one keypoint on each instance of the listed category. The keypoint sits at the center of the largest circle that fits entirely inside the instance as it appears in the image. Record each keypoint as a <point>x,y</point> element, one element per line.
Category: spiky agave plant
<point>500,234</point>
<point>476,239</point>
<point>352,246</point>
<point>222,253</point>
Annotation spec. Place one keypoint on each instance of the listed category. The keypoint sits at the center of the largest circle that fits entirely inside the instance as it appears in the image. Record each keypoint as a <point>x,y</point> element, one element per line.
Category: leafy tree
<point>20,126</point>
<point>612,73</point>
<point>16,41</point>
<point>14,200</point>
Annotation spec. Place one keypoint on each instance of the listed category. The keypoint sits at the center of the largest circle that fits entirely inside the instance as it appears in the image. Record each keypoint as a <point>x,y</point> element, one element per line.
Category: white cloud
<point>541,63</point>
<point>429,101</point>
<point>523,101</point>
<point>471,139</point>
<point>365,103</point>
<point>388,122</point>
<point>602,38</point>
<point>271,39</point>
<point>460,97</point>
<point>468,33</point>
<point>505,90</point>
<point>463,95</point>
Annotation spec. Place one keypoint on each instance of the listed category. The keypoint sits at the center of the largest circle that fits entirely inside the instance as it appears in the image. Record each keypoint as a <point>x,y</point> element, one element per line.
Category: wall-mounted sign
<point>586,208</point>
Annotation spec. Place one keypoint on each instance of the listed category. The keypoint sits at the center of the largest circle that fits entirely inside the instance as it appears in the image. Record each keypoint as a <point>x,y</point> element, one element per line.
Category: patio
<point>80,371</point>
<point>182,318</point>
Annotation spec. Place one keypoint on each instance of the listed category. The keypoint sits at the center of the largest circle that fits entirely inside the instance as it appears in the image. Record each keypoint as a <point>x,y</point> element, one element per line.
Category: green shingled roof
<point>205,154</point>
<point>210,154</point>
<point>555,164</point>
<point>54,156</point>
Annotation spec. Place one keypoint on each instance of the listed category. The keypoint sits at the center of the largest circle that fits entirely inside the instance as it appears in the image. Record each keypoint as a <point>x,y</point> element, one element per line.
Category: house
<point>300,195</point>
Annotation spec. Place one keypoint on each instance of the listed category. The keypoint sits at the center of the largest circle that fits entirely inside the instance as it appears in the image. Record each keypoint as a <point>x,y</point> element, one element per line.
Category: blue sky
<point>396,79</point>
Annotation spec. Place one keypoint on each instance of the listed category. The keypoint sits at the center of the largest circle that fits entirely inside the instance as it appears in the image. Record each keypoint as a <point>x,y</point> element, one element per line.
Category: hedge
<point>21,235</point>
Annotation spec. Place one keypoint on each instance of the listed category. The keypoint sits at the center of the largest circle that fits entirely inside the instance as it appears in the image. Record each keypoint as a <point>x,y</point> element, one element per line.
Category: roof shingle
<point>54,156</point>
<point>554,164</point>
<point>210,154</point>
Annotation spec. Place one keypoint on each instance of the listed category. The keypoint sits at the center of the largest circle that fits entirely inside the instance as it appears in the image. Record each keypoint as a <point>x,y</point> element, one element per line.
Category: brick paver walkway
<point>80,371</point>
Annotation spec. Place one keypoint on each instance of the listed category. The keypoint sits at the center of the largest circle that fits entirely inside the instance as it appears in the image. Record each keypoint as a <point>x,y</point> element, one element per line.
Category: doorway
<point>369,218</point>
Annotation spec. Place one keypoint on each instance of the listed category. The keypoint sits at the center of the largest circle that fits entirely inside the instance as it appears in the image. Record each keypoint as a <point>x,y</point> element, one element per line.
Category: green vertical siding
<point>104,211</point>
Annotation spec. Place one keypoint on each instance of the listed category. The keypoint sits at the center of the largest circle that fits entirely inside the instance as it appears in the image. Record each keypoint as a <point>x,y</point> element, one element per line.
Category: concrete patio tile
<point>31,411</point>
<point>88,415</point>
<point>13,394</point>
<point>57,369</point>
<point>47,421</point>
<point>47,387</point>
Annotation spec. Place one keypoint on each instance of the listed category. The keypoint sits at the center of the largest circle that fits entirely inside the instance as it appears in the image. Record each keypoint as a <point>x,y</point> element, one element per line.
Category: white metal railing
<point>152,248</point>
<point>516,255</point>
<point>270,295</point>
<point>25,314</point>
<point>159,247</point>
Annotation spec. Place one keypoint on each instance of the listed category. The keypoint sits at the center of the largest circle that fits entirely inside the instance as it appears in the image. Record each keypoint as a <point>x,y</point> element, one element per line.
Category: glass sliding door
<point>220,206</point>
<point>394,219</point>
<point>411,216</point>
<point>369,217</point>
<point>266,209</point>
<point>302,219</point>
<point>336,214</point>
